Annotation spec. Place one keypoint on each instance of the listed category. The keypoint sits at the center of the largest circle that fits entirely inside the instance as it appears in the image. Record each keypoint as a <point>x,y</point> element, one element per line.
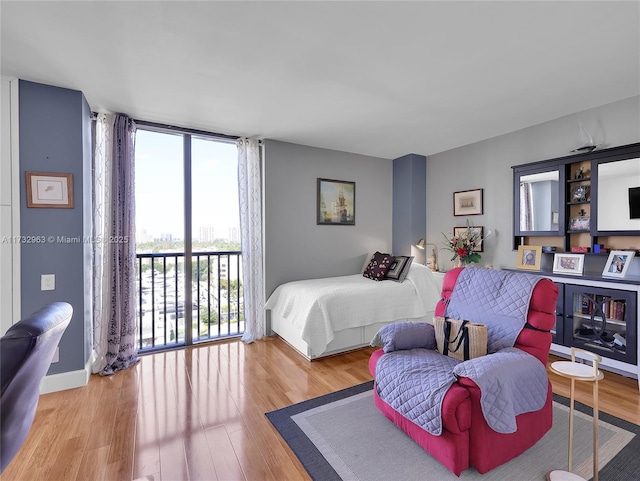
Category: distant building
<point>234,234</point>
<point>166,237</point>
<point>229,268</point>
<point>143,236</point>
<point>206,234</point>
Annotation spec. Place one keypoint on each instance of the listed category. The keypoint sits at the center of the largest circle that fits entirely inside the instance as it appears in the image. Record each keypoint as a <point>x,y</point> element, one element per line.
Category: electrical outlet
<point>56,355</point>
<point>47,282</point>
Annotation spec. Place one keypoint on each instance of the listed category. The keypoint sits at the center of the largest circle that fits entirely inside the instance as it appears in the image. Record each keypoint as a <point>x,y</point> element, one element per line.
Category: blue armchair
<point>26,351</point>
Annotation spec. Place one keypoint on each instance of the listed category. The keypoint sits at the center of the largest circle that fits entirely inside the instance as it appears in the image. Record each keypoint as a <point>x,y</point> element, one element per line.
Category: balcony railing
<point>217,298</point>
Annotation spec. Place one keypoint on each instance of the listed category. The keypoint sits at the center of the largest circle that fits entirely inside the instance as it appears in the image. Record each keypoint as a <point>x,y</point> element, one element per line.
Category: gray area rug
<point>342,436</point>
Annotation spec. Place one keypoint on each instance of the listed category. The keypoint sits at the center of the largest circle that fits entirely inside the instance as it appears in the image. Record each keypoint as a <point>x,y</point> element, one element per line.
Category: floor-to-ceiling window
<point>187,238</point>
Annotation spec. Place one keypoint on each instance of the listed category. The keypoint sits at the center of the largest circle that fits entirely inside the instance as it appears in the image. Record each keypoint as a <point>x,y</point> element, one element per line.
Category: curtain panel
<point>114,266</point>
<point>250,193</point>
<point>526,207</point>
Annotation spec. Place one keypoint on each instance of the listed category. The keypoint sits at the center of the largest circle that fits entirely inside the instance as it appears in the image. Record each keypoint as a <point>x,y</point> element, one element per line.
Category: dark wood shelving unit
<point>567,203</point>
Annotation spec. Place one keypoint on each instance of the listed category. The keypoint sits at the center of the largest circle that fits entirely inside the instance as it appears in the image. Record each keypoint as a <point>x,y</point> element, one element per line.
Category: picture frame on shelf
<point>336,202</point>
<point>529,257</point>
<point>468,202</point>
<point>478,230</point>
<point>49,190</point>
<point>618,264</point>
<point>580,224</point>
<point>580,193</point>
<point>564,263</point>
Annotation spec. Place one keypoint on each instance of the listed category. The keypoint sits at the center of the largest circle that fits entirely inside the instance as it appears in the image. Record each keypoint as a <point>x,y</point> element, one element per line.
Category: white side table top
<point>558,475</point>
<point>575,369</point>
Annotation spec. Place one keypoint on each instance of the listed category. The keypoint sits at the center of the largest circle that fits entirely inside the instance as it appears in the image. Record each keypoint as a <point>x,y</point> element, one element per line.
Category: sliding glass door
<point>187,239</point>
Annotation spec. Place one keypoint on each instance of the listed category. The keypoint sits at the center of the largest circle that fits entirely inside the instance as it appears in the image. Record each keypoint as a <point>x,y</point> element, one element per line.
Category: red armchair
<point>466,439</point>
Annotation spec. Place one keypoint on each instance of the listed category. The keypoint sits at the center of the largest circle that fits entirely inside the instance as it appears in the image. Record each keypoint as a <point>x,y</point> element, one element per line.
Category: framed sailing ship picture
<point>336,204</point>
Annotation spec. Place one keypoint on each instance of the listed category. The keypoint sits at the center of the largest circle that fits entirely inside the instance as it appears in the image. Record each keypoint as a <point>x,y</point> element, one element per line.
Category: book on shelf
<point>617,310</point>
<point>611,308</point>
<point>586,305</point>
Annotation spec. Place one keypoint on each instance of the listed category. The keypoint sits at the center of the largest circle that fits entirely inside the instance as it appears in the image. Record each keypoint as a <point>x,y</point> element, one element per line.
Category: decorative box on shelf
<point>580,224</point>
<point>580,249</point>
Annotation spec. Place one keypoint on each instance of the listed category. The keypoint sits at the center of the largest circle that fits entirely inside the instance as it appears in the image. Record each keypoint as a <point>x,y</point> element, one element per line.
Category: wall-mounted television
<point>634,202</point>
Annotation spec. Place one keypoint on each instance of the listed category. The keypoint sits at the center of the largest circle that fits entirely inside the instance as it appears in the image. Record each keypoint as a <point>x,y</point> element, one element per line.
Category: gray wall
<point>295,246</point>
<point>55,126</point>
<point>487,165</point>
<point>409,208</point>
<point>545,200</point>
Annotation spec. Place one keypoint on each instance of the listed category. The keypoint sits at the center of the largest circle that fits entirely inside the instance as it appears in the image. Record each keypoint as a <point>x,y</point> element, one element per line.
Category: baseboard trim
<point>66,380</point>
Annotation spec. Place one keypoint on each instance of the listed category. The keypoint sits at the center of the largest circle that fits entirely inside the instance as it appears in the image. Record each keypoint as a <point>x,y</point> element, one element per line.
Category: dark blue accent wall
<point>409,202</point>
<point>55,136</point>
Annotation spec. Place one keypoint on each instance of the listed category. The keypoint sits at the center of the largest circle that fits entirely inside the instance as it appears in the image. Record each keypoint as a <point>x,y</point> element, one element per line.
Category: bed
<point>320,317</point>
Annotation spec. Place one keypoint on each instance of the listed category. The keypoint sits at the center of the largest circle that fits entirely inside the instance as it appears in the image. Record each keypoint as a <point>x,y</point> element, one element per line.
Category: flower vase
<point>458,262</point>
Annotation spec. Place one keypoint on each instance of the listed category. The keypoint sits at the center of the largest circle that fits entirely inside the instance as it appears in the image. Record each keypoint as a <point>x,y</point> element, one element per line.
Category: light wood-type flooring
<point>198,414</point>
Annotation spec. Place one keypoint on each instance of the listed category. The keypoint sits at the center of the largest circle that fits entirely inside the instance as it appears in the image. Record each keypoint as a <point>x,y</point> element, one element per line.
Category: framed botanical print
<point>50,190</point>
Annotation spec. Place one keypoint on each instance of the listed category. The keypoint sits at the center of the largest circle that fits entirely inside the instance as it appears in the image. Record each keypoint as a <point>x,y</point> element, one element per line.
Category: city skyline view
<point>159,187</point>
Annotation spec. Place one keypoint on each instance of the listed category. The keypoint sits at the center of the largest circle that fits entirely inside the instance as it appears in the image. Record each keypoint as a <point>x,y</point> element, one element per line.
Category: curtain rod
<point>173,128</point>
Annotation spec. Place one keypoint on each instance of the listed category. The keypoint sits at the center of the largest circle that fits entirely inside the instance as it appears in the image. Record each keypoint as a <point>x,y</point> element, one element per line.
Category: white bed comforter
<point>320,307</point>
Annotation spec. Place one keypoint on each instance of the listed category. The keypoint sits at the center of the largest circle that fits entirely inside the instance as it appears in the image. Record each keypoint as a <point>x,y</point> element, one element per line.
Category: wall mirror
<point>617,184</point>
<point>539,202</point>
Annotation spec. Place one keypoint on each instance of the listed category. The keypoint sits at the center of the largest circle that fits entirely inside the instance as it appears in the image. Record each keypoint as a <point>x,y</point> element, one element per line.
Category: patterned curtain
<point>114,267</point>
<point>526,207</point>
<point>250,192</point>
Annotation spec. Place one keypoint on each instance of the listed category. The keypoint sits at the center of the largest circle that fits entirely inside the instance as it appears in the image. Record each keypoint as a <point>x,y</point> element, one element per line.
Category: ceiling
<point>376,78</point>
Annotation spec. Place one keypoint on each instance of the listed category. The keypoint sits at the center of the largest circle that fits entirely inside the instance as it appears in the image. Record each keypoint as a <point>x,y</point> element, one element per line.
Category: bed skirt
<point>345,340</point>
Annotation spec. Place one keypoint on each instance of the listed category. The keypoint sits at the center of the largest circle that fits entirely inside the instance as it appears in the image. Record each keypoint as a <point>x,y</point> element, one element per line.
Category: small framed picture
<point>580,224</point>
<point>336,202</point>
<point>50,190</point>
<point>568,263</point>
<point>468,202</point>
<point>580,193</point>
<point>475,232</point>
<point>529,257</point>
<point>618,264</point>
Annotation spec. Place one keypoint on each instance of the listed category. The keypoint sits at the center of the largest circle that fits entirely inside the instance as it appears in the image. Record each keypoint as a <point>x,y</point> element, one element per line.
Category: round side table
<point>577,371</point>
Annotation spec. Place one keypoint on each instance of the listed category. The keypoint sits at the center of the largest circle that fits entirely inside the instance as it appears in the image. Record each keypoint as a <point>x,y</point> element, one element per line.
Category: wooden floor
<point>198,414</point>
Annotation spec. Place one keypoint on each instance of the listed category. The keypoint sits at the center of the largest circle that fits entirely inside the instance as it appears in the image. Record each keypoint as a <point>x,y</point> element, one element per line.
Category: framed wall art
<point>467,202</point>
<point>618,264</point>
<point>50,190</point>
<point>529,258</point>
<point>336,202</point>
<point>568,263</point>
<point>476,232</point>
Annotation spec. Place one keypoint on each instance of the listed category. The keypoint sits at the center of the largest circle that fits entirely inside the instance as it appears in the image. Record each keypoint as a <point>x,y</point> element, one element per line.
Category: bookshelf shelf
<point>579,323</point>
<point>603,318</point>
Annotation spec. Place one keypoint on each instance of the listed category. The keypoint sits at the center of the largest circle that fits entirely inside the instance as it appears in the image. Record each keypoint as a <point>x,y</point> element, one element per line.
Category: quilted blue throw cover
<point>493,298</point>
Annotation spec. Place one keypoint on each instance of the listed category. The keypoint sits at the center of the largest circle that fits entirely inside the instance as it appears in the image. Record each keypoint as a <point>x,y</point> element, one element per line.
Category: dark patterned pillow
<point>399,269</point>
<point>378,266</point>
